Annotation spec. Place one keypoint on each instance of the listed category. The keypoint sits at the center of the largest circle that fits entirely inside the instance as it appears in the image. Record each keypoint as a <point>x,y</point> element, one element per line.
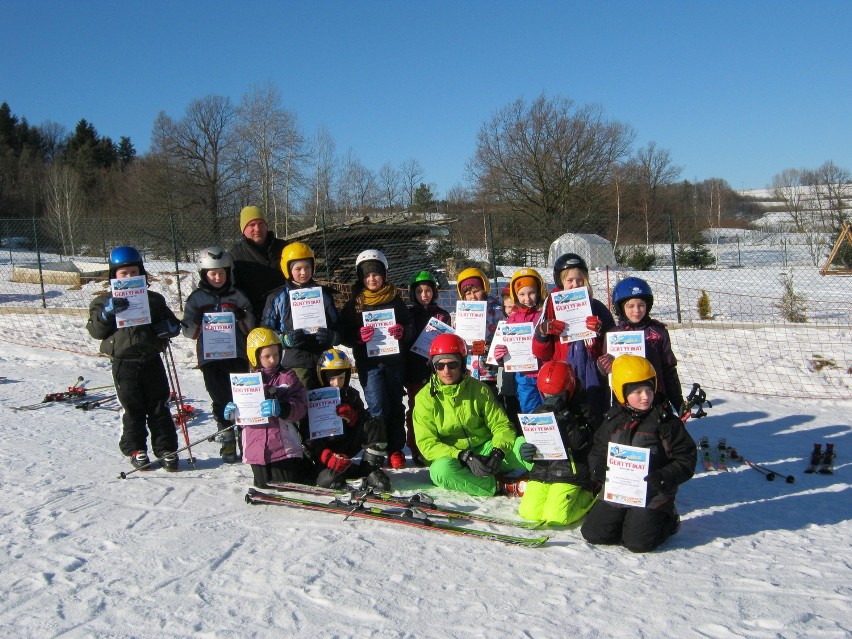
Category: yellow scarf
<point>376,298</point>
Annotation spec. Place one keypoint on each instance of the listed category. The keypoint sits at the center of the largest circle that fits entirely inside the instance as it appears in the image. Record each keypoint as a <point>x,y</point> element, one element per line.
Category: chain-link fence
<point>748,310</point>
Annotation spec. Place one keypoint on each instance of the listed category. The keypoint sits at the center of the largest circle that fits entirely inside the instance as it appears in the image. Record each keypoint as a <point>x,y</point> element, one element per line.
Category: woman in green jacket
<point>460,428</point>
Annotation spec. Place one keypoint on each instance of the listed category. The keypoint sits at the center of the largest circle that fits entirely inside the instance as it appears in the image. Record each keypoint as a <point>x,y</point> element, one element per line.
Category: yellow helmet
<point>467,274</point>
<point>291,253</point>
<point>333,360</point>
<point>630,369</point>
<point>259,338</point>
<point>517,282</point>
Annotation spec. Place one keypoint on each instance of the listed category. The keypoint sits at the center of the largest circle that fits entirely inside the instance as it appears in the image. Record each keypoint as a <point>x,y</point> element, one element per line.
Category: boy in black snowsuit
<point>640,418</point>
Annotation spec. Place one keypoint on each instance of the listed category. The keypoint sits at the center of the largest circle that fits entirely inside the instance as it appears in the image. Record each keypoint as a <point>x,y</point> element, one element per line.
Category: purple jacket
<point>279,439</point>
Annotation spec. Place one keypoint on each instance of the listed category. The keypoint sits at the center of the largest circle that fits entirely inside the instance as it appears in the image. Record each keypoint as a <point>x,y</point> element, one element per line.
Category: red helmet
<point>448,344</point>
<point>556,376</point>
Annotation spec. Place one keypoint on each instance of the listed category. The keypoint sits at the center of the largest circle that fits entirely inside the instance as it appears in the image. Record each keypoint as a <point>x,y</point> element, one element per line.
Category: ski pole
<point>94,388</point>
<point>206,438</point>
<point>94,403</point>
<point>171,369</point>
<point>764,470</point>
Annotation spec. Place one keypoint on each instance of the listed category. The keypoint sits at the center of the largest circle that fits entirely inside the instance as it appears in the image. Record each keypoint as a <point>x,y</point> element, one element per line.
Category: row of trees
<point>541,168</point>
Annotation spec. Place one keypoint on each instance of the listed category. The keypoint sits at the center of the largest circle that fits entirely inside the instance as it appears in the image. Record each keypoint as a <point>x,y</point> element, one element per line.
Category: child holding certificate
<point>137,368</point>
<point>632,300</point>
<point>219,317</point>
<point>274,448</point>
<point>334,454</point>
<point>376,324</point>
<point>641,419</point>
<point>473,286</point>
<point>422,298</point>
<point>571,272</point>
<point>560,491</point>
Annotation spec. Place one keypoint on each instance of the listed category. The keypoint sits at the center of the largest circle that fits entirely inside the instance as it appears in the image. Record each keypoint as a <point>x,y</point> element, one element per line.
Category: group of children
<point>570,381</point>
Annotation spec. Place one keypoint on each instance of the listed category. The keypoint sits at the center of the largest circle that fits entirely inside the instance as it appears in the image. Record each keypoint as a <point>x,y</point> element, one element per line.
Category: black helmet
<point>564,262</point>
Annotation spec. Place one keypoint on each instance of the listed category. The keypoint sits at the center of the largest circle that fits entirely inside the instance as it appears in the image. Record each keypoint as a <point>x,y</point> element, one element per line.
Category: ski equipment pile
<point>420,501</point>
<point>405,516</point>
<point>763,470</point>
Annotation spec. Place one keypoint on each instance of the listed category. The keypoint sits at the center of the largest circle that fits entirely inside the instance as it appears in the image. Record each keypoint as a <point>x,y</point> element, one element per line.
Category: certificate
<point>518,339</point>
<point>542,430</point>
<point>433,328</point>
<point>573,307</point>
<point>218,336</point>
<point>323,419</point>
<point>620,342</point>
<point>627,467</point>
<point>308,309</point>
<point>135,291</point>
<point>471,320</point>
<point>248,393</point>
<point>382,343</point>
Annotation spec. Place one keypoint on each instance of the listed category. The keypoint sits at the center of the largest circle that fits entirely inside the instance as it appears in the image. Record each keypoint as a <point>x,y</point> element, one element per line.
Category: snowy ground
<point>86,554</point>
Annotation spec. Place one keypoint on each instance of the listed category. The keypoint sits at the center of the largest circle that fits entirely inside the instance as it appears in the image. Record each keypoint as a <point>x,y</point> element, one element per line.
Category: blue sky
<point>734,89</point>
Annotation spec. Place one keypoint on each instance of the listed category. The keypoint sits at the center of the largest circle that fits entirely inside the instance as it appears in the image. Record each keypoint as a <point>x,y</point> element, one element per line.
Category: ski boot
<point>140,461</point>
<point>512,486</point>
<point>816,459</point>
<point>170,462</point>
<point>228,450</point>
<point>828,457</point>
<point>371,468</point>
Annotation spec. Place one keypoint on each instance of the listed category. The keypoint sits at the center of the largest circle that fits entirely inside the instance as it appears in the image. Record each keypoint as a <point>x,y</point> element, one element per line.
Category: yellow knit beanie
<point>248,214</point>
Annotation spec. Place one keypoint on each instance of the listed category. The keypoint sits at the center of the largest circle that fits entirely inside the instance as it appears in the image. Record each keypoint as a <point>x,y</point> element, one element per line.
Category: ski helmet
<point>470,273</point>
<point>259,338</point>
<point>291,253</point>
<point>214,257</point>
<point>631,369</point>
<point>367,261</point>
<point>333,360</point>
<point>423,277</point>
<point>122,256</point>
<point>566,261</point>
<point>555,377</point>
<point>628,289</point>
<point>522,278</point>
<point>448,344</point>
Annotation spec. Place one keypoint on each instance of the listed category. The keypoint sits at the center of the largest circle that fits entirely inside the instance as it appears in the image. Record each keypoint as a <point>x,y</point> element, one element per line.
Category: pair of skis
<point>822,462</point>
<point>74,394</point>
<point>417,510</point>
<point>708,460</point>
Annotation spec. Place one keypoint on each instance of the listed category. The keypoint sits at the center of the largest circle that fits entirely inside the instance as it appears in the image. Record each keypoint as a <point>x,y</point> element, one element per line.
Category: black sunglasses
<point>439,366</point>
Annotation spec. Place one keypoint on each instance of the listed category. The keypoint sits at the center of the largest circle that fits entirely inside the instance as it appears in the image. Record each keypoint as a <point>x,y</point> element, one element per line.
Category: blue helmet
<point>628,289</point>
<point>124,256</point>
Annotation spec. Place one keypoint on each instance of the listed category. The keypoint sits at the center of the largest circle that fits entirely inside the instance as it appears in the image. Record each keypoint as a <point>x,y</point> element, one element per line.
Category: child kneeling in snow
<point>640,418</point>
<point>274,449</point>
<point>560,492</point>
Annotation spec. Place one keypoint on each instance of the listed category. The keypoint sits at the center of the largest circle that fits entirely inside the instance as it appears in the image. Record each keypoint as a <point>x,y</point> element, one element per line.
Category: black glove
<point>167,328</point>
<point>115,305</point>
<point>239,314</point>
<point>477,464</point>
<point>293,339</point>
<point>527,452</point>
<point>325,337</point>
<point>655,482</point>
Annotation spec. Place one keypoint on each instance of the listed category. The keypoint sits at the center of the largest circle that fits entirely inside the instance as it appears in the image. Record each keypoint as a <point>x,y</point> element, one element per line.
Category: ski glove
<point>480,465</point>
<point>655,482</point>
<point>167,328</point>
<point>230,412</point>
<point>366,333</point>
<point>593,323</point>
<point>605,364</point>
<point>396,331</point>
<point>336,462</point>
<point>115,305</point>
<point>527,452</point>
<point>293,339</point>
<point>348,414</point>
<point>325,337</point>
<point>274,408</point>
<point>478,347</point>
<point>551,327</point>
<point>500,351</point>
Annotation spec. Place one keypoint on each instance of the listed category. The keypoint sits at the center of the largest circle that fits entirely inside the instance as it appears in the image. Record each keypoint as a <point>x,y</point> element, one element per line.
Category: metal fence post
<point>674,268</point>
<point>177,258</point>
<point>493,254</point>
<point>38,257</point>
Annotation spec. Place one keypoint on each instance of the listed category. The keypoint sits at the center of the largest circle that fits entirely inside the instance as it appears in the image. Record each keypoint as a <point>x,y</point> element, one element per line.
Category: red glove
<point>366,333</point>
<point>552,327</point>
<point>336,462</point>
<point>500,351</point>
<point>605,364</point>
<point>396,331</point>
<point>348,414</point>
<point>478,347</point>
<point>593,323</point>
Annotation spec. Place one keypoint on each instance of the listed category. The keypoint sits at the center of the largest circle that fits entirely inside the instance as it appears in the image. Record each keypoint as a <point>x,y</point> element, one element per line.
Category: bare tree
<point>389,181</point>
<point>64,202</point>
<point>202,145</point>
<point>271,149</point>
<point>357,187</point>
<point>655,170</point>
<point>412,174</point>
<point>549,160</point>
<point>324,166</point>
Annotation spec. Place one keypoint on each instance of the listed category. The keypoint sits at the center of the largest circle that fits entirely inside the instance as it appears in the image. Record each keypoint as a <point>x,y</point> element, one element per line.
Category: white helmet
<point>214,257</point>
<point>371,254</point>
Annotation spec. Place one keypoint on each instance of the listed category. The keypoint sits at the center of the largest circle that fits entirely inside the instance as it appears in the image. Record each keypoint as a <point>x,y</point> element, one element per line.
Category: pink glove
<point>396,331</point>
<point>366,333</point>
<point>500,351</point>
<point>593,323</point>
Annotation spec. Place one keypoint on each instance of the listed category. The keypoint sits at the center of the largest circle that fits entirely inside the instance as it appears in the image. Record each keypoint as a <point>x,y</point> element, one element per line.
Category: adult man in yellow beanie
<point>257,258</point>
